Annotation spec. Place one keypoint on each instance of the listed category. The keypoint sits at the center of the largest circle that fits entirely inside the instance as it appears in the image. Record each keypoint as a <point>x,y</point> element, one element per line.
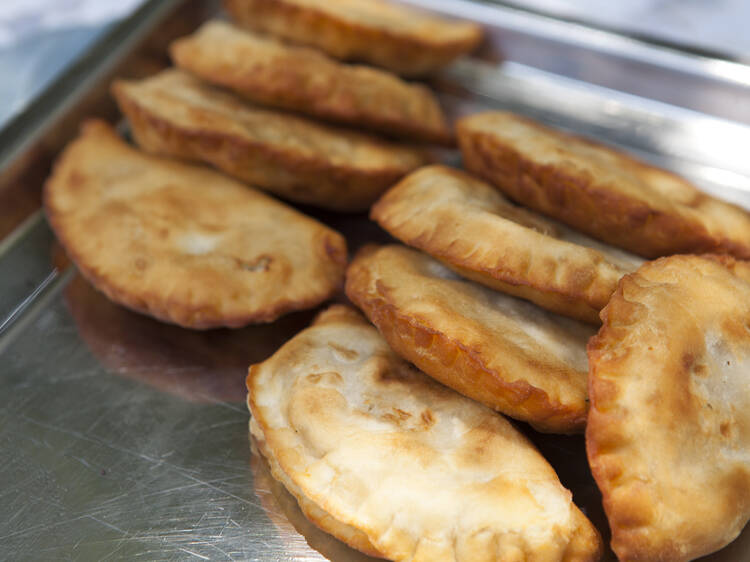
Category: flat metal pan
<point>124,438</point>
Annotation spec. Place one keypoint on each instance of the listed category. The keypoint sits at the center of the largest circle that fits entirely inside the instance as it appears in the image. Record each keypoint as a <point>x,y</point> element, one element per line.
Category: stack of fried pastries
<point>392,435</point>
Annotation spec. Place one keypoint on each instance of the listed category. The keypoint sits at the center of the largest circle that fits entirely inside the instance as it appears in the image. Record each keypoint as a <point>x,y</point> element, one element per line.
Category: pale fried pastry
<point>183,243</point>
<point>175,114</point>
<point>475,231</point>
<point>269,72</point>
<point>402,39</point>
<point>504,352</point>
<point>599,190</point>
<point>421,473</point>
<point>668,436</point>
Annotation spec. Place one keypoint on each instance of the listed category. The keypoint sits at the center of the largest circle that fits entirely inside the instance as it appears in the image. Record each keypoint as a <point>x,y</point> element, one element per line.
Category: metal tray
<point>124,438</point>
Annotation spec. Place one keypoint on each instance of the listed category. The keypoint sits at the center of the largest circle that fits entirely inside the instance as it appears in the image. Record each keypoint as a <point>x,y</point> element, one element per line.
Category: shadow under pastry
<point>198,366</point>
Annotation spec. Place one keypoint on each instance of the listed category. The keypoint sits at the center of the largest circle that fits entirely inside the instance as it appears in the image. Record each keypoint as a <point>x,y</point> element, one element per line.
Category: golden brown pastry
<point>175,114</point>
<point>271,73</point>
<point>668,436</point>
<point>599,190</point>
<point>402,39</point>
<point>476,232</point>
<point>393,463</point>
<point>504,352</point>
<point>182,243</point>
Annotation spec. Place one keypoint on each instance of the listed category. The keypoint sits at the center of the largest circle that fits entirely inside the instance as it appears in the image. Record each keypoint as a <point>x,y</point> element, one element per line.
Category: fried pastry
<point>401,39</point>
<point>476,232</point>
<point>183,243</point>
<point>391,462</point>
<point>668,436</point>
<point>506,353</point>
<point>271,73</point>
<point>175,114</point>
<point>599,190</point>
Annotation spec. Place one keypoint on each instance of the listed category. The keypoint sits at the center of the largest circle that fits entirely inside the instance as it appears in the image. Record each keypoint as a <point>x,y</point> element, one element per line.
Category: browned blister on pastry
<point>668,436</point>
<point>402,39</point>
<point>175,114</point>
<point>475,231</point>
<point>183,243</point>
<point>269,72</point>
<point>504,352</point>
<point>400,466</point>
<point>599,190</point>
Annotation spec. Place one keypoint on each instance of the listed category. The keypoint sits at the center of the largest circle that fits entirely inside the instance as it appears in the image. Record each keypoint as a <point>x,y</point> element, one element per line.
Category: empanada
<point>668,436</point>
<point>390,461</point>
<point>402,39</point>
<point>504,352</point>
<point>271,73</point>
<point>475,231</point>
<point>183,243</point>
<point>599,190</point>
<point>176,114</point>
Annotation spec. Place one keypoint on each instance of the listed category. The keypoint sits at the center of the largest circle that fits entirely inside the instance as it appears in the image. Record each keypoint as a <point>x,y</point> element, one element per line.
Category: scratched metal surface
<point>123,438</point>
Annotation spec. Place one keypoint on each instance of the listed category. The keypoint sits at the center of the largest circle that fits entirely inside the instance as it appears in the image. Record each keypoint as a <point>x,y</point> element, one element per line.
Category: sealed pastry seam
<point>349,535</point>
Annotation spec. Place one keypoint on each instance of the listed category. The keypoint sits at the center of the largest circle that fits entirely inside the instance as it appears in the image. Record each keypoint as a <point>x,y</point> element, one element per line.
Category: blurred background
<point>38,38</point>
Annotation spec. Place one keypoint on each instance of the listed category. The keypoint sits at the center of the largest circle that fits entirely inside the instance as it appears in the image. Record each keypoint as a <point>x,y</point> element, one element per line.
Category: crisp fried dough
<point>175,114</point>
<point>475,231</point>
<point>182,243</point>
<point>600,191</point>
<point>348,534</point>
<point>401,39</point>
<point>301,79</point>
<point>286,513</point>
<point>422,472</point>
<point>504,352</point>
<point>668,436</point>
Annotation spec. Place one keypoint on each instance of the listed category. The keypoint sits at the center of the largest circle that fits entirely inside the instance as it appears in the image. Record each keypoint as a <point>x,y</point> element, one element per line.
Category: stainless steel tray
<point>124,438</point>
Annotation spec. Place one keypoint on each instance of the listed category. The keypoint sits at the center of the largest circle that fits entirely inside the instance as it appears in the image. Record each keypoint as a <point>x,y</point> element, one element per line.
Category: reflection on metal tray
<point>125,438</point>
